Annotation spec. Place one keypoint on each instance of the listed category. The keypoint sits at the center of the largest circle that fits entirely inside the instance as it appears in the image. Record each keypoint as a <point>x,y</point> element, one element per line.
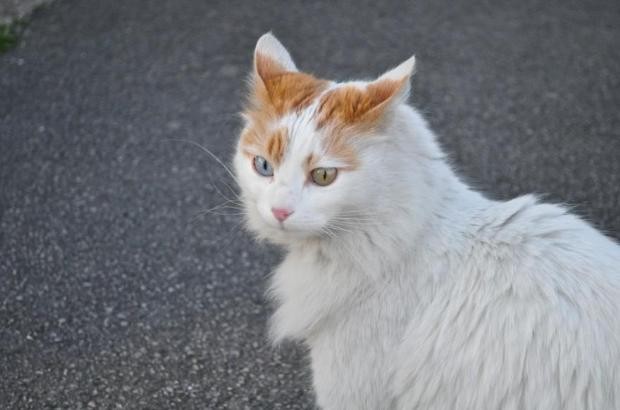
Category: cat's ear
<point>271,58</point>
<point>276,86</point>
<point>393,86</point>
<point>366,105</point>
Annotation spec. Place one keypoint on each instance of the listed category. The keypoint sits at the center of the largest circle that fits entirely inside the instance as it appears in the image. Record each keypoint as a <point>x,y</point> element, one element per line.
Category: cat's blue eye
<point>262,166</point>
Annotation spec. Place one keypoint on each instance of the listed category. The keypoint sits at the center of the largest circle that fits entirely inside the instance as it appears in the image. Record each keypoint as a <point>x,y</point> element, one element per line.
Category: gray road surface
<point>115,292</point>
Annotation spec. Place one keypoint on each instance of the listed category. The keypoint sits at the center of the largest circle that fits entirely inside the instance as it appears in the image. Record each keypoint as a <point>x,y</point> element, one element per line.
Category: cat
<point>410,289</point>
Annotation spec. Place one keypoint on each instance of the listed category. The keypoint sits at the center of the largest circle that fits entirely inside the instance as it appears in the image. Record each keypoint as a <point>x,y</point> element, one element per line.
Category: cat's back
<point>531,321</point>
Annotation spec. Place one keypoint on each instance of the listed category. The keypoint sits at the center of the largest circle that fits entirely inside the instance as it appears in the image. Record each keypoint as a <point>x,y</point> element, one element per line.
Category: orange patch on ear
<point>348,109</point>
<point>267,67</point>
<point>282,91</point>
<point>276,145</point>
<point>274,93</point>
<point>350,105</point>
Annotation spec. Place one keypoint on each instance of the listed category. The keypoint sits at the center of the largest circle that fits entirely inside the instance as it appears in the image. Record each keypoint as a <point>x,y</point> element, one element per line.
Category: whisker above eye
<point>232,198</point>
<point>210,153</point>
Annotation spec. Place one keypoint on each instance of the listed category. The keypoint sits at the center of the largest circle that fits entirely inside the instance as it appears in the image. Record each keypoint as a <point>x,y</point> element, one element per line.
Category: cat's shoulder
<point>526,228</point>
<point>543,256</point>
<point>526,220</point>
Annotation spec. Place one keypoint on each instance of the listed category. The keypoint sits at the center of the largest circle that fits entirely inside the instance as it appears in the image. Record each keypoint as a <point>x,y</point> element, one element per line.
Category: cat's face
<point>305,160</point>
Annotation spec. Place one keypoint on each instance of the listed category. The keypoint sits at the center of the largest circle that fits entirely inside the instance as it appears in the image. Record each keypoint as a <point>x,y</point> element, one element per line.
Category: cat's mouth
<point>293,230</point>
<point>297,226</point>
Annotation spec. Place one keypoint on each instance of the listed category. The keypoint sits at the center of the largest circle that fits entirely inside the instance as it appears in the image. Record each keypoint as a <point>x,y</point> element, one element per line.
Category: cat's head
<point>308,161</point>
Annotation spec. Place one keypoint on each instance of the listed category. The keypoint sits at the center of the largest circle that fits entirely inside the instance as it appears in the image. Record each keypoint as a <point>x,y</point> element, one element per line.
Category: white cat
<point>411,290</point>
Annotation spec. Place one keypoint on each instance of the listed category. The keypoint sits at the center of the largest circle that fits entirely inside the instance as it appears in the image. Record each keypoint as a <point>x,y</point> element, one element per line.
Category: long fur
<point>416,292</point>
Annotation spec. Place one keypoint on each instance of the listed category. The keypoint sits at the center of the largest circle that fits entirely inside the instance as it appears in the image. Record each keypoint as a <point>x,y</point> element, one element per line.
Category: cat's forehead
<point>292,111</point>
<point>302,131</point>
<point>296,113</point>
<point>302,135</point>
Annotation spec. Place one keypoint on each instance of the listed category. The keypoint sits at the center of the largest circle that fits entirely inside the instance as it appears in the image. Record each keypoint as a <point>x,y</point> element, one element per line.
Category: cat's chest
<point>310,292</point>
<point>316,297</point>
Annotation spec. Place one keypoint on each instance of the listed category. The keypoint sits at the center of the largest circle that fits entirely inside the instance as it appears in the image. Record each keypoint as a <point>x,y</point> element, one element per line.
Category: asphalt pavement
<point>118,291</point>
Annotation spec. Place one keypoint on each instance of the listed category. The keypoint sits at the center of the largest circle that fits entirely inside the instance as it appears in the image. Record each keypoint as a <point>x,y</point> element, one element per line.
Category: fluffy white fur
<point>414,292</point>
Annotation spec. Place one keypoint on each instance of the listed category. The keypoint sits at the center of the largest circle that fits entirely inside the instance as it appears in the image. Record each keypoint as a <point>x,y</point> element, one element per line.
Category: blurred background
<point>117,290</point>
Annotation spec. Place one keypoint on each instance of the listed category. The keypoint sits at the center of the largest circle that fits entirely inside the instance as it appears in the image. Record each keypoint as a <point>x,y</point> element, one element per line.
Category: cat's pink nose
<point>281,213</point>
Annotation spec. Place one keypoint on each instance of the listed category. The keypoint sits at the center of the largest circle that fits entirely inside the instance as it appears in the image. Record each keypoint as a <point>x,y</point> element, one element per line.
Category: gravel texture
<point>11,10</point>
<point>116,292</point>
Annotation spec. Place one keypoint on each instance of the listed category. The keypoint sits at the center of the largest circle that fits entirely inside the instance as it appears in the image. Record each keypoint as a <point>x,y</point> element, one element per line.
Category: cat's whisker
<point>220,209</point>
<point>228,204</point>
<point>232,234</point>
<point>355,222</point>
<point>231,189</point>
<point>211,154</point>
<point>229,172</point>
<point>221,214</point>
<point>217,190</point>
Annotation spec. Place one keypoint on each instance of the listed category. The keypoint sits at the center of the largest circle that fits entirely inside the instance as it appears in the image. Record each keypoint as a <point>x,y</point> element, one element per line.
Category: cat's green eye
<point>262,166</point>
<point>323,176</point>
